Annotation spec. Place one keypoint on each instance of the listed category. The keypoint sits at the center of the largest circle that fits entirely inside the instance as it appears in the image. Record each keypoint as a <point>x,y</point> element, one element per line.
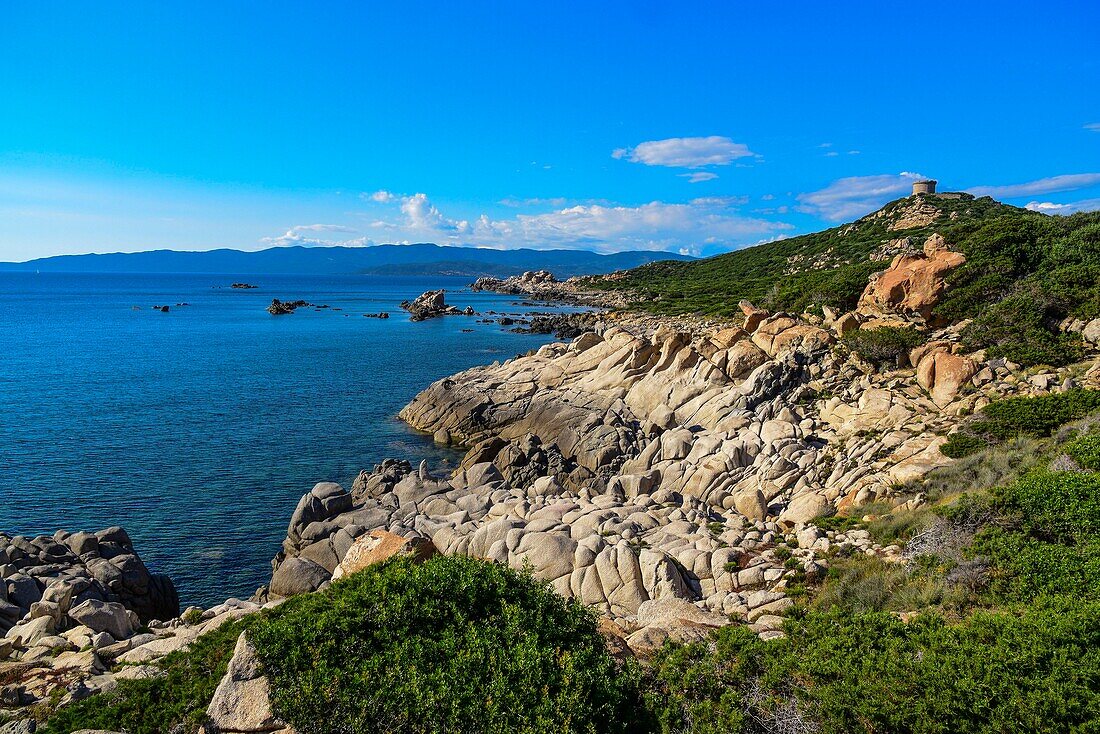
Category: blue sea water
<point>198,429</point>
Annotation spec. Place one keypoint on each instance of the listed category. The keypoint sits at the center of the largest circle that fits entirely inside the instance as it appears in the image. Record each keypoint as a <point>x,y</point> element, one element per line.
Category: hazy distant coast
<point>418,259</point>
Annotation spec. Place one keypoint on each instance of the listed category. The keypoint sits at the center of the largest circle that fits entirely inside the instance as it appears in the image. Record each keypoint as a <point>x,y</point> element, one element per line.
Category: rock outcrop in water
<point>543,285</point>
<point>282,308</point>
<point>431,304</point>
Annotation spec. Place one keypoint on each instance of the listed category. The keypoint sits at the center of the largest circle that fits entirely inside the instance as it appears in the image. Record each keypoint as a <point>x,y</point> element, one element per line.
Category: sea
<point>199,428</point>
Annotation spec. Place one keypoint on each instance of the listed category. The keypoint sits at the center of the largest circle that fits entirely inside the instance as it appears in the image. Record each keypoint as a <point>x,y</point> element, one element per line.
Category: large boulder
<point>103,616</point>
<point>913,284</point>
<point>297,576</point>
<point>242,700</point>
<point>429,305</point>
<point>943,374</point>
<point>381,545</point>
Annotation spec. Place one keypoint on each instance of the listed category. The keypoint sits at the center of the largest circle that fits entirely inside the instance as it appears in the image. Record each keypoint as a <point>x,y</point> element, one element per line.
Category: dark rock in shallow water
<point>281,308</point>
<point>431,304</point>
<point>243,285</point>
<point>563,326</point>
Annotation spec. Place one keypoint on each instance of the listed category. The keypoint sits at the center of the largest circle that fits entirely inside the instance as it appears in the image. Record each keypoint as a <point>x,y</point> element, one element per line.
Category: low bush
<point>962,444</point>
<point>1023,416</point>
<point>1037,416</point>
<point>873,673</point>
<point>1056,506</point>
<point>454,644</point>
<point>1085,451</point>
<point>886,345</point>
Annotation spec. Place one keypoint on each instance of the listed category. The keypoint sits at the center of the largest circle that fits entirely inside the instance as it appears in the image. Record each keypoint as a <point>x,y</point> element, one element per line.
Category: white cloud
<point>1047,207</point>
<point>557,201</point>
<point>423,215</point>
<point>699,176</point>
<point>831,154</point>
<point>1094,126</point>
<point>713,150</point>
<point>1050,185</point>
<point>299,236</point>
<point>853,152</point>
<point>381,196</point>
<point>852,197</point>
<point>702,224</point>
<point>723,202</point>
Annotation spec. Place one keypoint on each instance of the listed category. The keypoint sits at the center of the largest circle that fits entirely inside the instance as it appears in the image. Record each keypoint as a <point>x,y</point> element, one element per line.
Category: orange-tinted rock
<point>844,324</point>
<point>381,545</point>
<point>753,316</point>
<point>913,284</point>
<point>943,374</point>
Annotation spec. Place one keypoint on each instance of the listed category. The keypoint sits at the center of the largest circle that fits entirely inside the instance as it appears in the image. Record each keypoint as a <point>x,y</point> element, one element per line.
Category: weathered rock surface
<point>69,603</point>
<point>242,701</point>
<point>913,284</point>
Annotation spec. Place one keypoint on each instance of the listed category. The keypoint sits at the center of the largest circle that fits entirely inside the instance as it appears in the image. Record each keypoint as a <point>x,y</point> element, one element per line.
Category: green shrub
<point>454,644</point>
<point>1037,416</point>
<point>1023,329</point>
<point>873,673</point>
<point>1086,451</point>
<point>884,345</point>
<point>962,444</point>
<point>1060,506</point>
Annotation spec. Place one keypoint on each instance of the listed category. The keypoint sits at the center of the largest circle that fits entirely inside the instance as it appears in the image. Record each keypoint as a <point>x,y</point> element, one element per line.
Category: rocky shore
<point>69,603</point>
<point>541,284</point>
<point>431,304</point>
<point>671,473</point>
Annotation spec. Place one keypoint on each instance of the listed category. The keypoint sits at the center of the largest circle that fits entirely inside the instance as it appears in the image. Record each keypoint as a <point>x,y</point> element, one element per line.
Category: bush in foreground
<point>843,673</point>
<point>454,644</point>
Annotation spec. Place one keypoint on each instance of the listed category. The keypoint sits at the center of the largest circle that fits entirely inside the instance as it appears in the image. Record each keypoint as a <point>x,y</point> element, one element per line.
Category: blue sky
<point>696,127</point>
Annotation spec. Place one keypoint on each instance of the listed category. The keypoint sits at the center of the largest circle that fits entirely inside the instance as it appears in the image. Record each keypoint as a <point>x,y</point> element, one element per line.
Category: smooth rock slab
<point>103,616</point>
<point>242,701</point>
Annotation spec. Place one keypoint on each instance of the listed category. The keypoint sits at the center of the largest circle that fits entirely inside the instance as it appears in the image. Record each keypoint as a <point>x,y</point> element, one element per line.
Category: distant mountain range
<point>420,259</point>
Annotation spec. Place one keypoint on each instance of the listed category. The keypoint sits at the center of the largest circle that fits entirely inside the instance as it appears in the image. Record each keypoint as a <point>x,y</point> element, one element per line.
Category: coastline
<point>669,473</point>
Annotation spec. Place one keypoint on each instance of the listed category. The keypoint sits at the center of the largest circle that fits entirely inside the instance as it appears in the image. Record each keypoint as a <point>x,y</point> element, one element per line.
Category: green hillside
<point>1025,272</point>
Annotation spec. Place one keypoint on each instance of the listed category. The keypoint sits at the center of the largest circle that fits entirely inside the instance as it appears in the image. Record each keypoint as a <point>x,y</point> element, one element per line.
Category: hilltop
<point>1025,273</point>
<point>416,259</point>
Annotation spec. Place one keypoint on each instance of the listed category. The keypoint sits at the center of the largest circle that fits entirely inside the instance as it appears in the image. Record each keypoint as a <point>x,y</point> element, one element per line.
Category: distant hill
<point>419,259</point>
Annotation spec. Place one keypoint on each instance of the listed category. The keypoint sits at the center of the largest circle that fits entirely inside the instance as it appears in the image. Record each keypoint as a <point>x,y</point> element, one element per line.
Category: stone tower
<point>924,187</point>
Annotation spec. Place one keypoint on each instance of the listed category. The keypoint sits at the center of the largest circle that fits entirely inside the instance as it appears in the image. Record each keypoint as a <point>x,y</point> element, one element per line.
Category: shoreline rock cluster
<point>654,462</point>
<point>542,285</point>
<point>68,603</point>
<point>432,304</point>
<point>670,473</point>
